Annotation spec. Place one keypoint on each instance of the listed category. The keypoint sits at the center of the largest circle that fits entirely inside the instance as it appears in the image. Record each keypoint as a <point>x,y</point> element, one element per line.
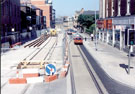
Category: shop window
<point>110,36</point>
<point>117,36</point>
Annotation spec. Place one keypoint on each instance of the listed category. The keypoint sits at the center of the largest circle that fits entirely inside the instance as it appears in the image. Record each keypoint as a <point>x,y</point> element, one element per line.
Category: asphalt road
<point>112,86</point>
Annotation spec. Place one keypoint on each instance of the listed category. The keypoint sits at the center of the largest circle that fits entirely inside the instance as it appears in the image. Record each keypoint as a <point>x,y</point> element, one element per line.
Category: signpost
<point>131,42</point>
<point>50,69</point>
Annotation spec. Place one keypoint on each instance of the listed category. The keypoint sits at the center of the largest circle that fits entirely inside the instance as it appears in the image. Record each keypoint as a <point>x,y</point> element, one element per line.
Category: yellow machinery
<point>53,32</point>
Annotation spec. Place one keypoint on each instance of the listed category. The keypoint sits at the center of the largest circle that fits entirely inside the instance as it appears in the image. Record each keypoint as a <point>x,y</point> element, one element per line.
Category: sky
<point>68,7</point>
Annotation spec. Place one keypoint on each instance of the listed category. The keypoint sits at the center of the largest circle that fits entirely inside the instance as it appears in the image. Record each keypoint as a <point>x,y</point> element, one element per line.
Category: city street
<point>105,66</point>
<point>67,46</point>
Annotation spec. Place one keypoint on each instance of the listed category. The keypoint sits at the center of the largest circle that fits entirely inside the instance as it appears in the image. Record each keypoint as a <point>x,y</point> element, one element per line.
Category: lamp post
<point>96,33</point>
<point>12,29</point>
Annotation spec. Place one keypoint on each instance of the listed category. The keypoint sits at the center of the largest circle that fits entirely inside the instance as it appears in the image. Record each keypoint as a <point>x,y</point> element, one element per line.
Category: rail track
<point>44,58</point>
<point>73,89</point>
<point>38,55</point>
<point>32,55</point>
<point>99,88</point>
<point>37,42</point>
<point>95,80</point>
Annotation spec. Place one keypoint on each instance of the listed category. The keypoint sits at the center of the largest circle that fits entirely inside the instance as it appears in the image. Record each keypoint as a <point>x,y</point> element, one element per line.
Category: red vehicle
<point>78,40</point>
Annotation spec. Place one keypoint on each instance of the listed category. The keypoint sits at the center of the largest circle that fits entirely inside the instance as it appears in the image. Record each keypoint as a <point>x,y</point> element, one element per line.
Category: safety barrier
<point>16,44</point>
<point>33,75</point>
<point>30,73</point>
<point>51,78</point>
<point>35,80</point>
<point>17,81</point>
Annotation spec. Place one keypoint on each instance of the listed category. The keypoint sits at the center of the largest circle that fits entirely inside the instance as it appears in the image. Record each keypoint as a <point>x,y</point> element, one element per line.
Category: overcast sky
<point>68,7</point>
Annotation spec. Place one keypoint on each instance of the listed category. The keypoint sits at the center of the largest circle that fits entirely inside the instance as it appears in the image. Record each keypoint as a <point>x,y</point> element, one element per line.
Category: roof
<point>89,12</point>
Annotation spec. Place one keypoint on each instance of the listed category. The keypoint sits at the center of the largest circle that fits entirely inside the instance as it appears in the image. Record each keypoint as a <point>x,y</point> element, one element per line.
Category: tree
<point>87,21</point>
<point>91,29</point>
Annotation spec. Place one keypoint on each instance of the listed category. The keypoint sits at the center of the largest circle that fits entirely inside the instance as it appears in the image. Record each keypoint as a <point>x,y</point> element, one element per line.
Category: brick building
<point>53,18</point>
<point>28,17</point>
<point>47,10</point>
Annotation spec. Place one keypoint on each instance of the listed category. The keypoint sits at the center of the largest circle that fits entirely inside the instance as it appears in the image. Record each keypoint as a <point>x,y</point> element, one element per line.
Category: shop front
<point>109,30</point>
<point>122,25</point>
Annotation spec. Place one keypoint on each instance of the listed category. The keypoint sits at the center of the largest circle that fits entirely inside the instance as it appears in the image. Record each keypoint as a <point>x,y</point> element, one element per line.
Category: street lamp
<point>96,33</point>
<point>12,29</point>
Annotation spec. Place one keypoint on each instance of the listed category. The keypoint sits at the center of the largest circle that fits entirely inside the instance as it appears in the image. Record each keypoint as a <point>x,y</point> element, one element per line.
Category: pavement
<point>113,61</point>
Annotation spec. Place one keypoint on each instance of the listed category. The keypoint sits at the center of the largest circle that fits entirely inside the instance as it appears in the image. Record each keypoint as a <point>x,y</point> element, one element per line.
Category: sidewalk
<point>113,61</point>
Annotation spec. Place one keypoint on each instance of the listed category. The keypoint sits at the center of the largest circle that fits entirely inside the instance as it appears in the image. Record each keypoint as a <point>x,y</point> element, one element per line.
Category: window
<point>18,12</point>
<point>15,10</point>
<point>10,9</point>
<point>3,9</point>
<point>6,8</point>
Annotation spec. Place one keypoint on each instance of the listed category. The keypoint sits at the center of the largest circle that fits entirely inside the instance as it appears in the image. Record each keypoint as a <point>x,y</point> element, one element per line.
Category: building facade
<point>116,18</point>
<point>28,17</point>
<point>53,18</point>
<point>46,6</point>
<point>77,13</point>
<point>10,19</point>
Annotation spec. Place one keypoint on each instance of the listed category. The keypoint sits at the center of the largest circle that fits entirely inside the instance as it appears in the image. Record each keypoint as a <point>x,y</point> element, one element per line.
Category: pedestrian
<point>85,38</point>
<point>92,37</point>
<point>10,42</point>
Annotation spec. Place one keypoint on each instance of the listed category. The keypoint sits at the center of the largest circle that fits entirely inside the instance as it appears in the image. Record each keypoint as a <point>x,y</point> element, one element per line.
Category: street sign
<point>50,69</point>
<point>131,37</point>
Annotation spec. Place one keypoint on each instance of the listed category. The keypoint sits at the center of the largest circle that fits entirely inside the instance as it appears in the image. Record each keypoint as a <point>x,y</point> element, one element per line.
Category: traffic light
<point>131,37</point>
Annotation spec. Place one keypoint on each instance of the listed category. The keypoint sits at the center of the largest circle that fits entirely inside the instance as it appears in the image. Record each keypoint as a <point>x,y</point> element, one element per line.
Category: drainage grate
<point>75,55</point>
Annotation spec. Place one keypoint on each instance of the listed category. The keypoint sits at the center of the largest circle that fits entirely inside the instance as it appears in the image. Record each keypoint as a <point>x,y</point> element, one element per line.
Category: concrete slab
<point>83,81</point>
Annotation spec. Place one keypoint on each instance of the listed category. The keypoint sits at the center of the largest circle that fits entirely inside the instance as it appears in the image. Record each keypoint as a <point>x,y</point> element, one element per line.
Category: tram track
<point>43,50</point>
<point>31,57</point>
<point>94,79</point>
<point>73,89</point>
<point>53,46</point>
<point>99,88</point>
<point>37,51</point>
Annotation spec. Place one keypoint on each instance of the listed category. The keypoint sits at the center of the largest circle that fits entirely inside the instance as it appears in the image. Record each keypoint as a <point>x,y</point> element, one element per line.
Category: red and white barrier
<point>30,73</point>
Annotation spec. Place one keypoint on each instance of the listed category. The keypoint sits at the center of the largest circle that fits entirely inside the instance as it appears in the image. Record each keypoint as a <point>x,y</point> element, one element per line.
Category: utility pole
<point>96,33</point>
<point>129,56</point>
